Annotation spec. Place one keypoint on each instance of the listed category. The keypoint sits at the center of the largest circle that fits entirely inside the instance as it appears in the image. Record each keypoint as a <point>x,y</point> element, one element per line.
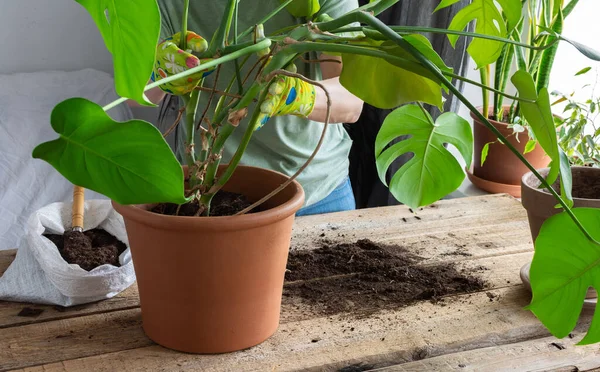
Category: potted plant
<point>213,284</point>
<point>579,139</point>
<point>495,168</point>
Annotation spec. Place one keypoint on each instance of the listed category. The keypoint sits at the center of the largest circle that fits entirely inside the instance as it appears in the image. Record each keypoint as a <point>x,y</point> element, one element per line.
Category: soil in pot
<point>224,203</point>
<point>364,277</point>
<point>88,249</point>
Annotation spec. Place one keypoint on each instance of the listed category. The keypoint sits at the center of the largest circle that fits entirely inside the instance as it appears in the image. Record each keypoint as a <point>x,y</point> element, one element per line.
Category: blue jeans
<point>340,199</point>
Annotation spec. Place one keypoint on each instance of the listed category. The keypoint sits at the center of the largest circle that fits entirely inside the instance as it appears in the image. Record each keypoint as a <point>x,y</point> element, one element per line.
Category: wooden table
<point>483,331</point>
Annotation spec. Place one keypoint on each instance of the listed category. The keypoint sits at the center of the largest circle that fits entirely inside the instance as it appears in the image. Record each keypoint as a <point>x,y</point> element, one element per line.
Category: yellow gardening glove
<point>287,96</point>
<point>170,60</point>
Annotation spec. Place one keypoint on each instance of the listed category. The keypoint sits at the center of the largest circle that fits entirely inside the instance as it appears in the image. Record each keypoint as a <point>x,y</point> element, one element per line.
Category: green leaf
<point>585,50</point>
<point>129,162</point>
<point>583,71</point>
<point>433,172</point>
<point>566,179</point>
<point>539,117</point>
<point>303,8</point>
<point>564,266</point>
<point>484,152</point>
<point>530,146</point>
<point>130,30</point>
<point>489,20</point>
<point>388,85</point>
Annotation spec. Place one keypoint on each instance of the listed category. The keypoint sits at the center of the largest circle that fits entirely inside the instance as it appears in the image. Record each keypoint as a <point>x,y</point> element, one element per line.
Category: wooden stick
<point>78,206</point>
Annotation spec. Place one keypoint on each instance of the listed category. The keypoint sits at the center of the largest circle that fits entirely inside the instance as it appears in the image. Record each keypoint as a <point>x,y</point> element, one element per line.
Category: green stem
<point>265,18</point>
<point>409,29</point>
<point>380,26</point>
<point>484,74</point>
<point>244,142</point>
<point>336,48</point>
<point>209,64</point>
<point>184,23</point>
<point>191,105</point>
<point>219,39</point>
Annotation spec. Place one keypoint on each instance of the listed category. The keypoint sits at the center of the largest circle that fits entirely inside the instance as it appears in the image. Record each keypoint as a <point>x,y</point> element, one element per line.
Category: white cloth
<point>26,101</point>
<point>39,274</point>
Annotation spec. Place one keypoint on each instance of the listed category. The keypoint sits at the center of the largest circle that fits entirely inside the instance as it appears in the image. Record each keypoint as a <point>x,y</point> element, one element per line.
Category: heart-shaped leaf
<point>565,264</point>
<point>433,172</point>
<point>489,20</point>
<point>130,30</point>
<point>129,162</point>
<point>388,85</point>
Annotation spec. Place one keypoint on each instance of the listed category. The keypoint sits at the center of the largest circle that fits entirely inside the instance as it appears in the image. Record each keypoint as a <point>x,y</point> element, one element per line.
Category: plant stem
<point>409,29</point>
<point>265,18</point>
<point>206,198</point>
<point>484,74</point>
<point>311,157</point>
<point>184,22</point>
<point>219,39</point>
<point>265,43</point>
<point>302,47</point>
<point>191,104</point>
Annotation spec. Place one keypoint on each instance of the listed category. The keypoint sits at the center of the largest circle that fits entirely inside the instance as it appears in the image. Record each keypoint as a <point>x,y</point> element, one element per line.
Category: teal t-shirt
<point>285,142</point>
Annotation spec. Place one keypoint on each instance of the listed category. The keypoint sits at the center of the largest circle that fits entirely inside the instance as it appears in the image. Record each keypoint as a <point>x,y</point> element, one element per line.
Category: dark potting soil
<point>88,249</point>
<point>584,187</point>
<point>224,203</point>
<point>364,277</point>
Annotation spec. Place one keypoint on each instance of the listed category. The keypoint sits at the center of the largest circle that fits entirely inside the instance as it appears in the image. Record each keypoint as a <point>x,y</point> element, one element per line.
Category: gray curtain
<point>369,191</point>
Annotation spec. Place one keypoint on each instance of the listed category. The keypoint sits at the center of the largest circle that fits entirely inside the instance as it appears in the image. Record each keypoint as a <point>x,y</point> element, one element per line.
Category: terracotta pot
<point>539,203</point>
<point>501,166</point>
<point>214,284</point>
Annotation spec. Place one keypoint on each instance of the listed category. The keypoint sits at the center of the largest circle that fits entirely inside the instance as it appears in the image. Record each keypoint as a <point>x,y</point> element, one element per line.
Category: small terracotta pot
<point>214,284</point>
<point>539,203</point>
<point>501,166</point>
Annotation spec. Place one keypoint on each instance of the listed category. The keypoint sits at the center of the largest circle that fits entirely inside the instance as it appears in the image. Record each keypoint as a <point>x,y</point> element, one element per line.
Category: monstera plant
<point>387,67</point>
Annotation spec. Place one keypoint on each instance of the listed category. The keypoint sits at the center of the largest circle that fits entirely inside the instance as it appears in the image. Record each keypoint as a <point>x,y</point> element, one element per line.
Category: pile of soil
<point>364,277</point>
<point>88,249</point>
<point>224,203</point>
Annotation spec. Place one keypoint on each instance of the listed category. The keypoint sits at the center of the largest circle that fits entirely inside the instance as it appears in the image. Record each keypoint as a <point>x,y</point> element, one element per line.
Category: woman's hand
<point>287,96</point>
<point>171,60</point>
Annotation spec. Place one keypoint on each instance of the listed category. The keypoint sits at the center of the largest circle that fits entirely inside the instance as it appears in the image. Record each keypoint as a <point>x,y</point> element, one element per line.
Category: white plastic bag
<point>39,274</point>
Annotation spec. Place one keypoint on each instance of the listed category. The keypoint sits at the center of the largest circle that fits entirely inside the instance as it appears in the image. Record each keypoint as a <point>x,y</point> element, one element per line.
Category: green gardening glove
<point>287,96</point>
<point>170,60</point>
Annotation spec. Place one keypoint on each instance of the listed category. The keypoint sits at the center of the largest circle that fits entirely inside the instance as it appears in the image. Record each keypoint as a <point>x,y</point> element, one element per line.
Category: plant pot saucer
<point>494,187</point>
<point>588,303</point>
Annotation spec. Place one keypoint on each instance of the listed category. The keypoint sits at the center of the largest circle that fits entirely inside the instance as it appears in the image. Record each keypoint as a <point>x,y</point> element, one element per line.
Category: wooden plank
<point>489,226</point>
<point>319,344</point>
<point>391,334</point>
<point>544,354</point>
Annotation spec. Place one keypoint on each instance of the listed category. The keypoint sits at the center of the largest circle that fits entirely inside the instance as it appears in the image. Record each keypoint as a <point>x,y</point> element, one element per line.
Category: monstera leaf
<point>565,264</point>
<point>130,30</point>
<point>303,8</point>
<point>433,172</point>
<point>389,84</point>
<point>129,162</point>
<point>489,21</point>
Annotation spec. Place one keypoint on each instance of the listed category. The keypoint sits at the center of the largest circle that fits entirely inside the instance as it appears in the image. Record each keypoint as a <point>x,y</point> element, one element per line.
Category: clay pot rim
<point>544,172</point>
<point>139,213</point>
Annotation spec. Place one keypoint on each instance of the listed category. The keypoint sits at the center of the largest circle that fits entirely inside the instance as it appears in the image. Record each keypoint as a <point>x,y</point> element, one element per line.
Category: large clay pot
<point>214,284</point>
<point>502,170</point>
<point>540,204</point>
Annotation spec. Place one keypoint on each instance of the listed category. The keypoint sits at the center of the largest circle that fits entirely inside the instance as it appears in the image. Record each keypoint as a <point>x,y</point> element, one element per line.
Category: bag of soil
<point>40,274</point>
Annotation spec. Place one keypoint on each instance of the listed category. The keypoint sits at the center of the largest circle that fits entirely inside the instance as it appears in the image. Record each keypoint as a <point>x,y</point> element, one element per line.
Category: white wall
<point>49,35</point>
